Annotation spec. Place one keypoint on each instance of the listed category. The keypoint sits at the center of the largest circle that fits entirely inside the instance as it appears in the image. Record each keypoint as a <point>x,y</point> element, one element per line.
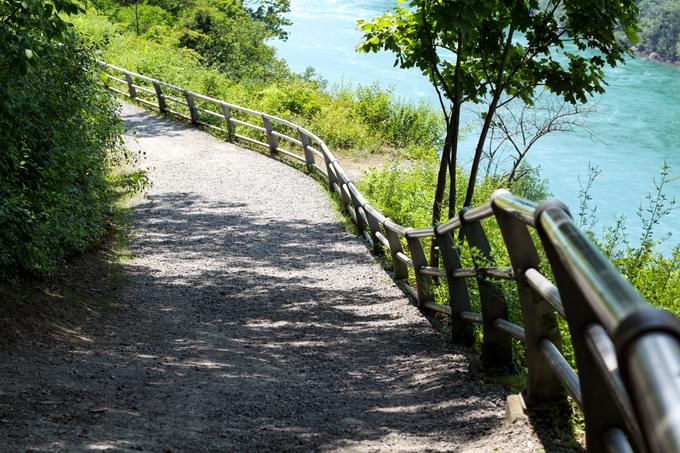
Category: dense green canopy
<point>58,127</point>
<point>491,51</point>
<point>660,24</point>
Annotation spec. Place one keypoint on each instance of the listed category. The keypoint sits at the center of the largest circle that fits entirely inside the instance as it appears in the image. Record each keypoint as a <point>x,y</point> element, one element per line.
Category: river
<point>636,122</point>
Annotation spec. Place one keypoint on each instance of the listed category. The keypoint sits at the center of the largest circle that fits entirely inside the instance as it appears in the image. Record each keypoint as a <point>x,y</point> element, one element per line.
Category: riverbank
<point>634,126</point>
<point>655,56</point>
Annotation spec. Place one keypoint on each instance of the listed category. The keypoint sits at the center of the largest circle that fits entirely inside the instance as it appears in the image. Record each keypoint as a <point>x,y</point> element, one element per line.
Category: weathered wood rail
<point>627,352</point>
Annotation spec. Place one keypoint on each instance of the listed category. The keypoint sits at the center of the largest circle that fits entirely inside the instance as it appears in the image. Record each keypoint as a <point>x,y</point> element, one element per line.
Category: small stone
<point>351,421</point>
<point>514,408</point>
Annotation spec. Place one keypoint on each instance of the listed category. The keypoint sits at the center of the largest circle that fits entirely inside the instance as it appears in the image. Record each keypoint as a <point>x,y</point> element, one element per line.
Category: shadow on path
<point>248,321</point>
<point>231,356</point>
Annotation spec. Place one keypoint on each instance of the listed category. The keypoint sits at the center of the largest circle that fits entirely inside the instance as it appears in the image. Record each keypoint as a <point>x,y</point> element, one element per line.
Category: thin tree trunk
<point>479,149</point>
<point>453,130</point>
<point>136,19</point>
<point>487,123</point>
<point>439,196</point>
<point>452,163</point>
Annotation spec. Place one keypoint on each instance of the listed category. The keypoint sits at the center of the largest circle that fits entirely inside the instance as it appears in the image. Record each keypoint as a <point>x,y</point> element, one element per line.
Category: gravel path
<point>251,321</point>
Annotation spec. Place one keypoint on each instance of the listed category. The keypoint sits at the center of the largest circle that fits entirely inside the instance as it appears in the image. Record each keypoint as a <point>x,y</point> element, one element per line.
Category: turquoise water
<point>637,121</point>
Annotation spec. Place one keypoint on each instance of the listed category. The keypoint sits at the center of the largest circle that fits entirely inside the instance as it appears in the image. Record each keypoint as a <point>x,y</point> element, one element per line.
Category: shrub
<point>293,98</point>
<point>654,274</point>
<point>339,128</point>
<point>58,127</point>
<point>399,123</point>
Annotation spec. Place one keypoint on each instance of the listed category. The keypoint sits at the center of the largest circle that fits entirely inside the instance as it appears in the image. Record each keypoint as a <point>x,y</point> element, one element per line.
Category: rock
<point>515,408</point>
<point>351,421</point>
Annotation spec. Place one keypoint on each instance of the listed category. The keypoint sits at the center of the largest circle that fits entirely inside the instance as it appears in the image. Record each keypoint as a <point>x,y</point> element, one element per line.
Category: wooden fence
<point>627,352</point>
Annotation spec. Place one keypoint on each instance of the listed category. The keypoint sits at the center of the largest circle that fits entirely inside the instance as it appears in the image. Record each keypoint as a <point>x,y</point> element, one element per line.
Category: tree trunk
<point>487,122</point>
<point>453,130</point>
<point>136,19</point>
<point>439,196</point>
<point>479,150</point>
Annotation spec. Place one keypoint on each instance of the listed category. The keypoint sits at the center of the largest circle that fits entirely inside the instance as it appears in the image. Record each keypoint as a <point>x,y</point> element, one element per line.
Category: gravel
<point>251,321</point>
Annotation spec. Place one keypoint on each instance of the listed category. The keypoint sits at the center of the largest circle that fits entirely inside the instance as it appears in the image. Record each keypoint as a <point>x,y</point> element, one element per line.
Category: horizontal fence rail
<point>627,352</point>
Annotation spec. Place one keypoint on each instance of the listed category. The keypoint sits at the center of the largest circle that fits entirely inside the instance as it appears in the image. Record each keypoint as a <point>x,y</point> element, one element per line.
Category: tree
<point>232,41</point>
<point>494,51</point>
<point>517,127</point>
<point>270,13</point>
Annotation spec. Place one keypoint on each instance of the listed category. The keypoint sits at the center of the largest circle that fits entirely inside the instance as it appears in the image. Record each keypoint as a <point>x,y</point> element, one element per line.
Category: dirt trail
<point>248,321</point>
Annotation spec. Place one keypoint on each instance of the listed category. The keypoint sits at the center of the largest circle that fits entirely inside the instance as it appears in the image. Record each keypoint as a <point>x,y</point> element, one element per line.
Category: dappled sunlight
<point>206,364</point>
<point>249,332</point>
<point>107,445</point>
<point>67,332</point>
<point>142,125</point>
<point>417,408</point>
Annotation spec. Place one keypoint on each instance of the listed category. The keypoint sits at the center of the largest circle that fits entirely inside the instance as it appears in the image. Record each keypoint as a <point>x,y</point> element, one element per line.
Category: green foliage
<point>340,127</point>
<point>403,192</point>
<point>403,189</point>
<point>59,126</point>
<point>271,14</point>
<point>233,43</point>
<point>401,123</point>
<point>345,117</point>
<point>227,34</point>
<point>149,18</point>
<point>471,52</point>
<point>660,24</point>
<point>29,27</point>
<point>655,275</point>
<point>480,33</point>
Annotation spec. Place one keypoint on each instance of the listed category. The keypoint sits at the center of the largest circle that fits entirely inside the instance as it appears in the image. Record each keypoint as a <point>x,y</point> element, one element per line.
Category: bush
<point>58,127</point>
<point>404,190</point>
<point>655,275</point>
<point>339,128</point>
<point>399,123</point>
<point>290,99</point>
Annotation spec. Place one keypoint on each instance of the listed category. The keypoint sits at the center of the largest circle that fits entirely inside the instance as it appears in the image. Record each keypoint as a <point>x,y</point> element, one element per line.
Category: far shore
<point>656,56</point>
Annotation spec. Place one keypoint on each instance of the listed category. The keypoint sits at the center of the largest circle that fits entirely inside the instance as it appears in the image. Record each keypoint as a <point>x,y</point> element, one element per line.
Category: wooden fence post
<point>362,223</point>
<point>539,317</point>
<point>272,140</point>
<point>398,267</point>
<point>192,107</point>
<point>423,282</point>
<point>159,95</point>
<point>226,112</point>
<point>131,87</point>
<point>459,295</point>
<point>374,227</point>
<point>330,171</point>
<point>496,345</point>
<point>309,155</point>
